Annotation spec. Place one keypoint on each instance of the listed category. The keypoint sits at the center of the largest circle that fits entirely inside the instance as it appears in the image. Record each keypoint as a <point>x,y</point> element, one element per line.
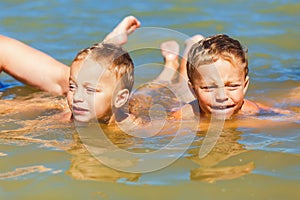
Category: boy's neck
<point>118,116</point>
<point>249,108</point>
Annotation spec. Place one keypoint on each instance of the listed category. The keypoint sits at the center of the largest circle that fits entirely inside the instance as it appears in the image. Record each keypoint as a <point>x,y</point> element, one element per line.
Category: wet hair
<point>117,59</point>
<point>210,49</point>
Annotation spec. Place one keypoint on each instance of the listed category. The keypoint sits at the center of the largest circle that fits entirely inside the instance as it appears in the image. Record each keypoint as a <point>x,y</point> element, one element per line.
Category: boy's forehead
<point>220,69</point>
<point>220,65</point>
<point>89,65</point>
<point>90,70</point>
<point>101,64</point>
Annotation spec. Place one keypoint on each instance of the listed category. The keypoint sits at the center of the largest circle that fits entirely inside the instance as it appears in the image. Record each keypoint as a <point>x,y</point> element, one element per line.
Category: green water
<point>42,158</point>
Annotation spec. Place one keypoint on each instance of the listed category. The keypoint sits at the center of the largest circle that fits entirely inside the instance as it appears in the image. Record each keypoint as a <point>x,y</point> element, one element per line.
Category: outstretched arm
<point>32,66</point>
<point>40,70</point>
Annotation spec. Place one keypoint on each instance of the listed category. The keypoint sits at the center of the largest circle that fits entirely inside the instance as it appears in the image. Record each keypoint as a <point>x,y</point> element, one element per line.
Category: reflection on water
<point>234,157</point>
<point>254,158</point>
<point>227,146</point>
<point>86,167</point>
<point>23,171</point>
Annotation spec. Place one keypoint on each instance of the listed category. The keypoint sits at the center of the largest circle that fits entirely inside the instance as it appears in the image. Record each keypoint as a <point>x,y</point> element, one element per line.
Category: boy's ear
<point>246,84</point>
<point>121,98</point>
<point>191,87</point>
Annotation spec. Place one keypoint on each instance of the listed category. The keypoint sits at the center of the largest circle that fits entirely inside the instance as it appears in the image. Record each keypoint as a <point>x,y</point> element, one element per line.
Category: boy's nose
<point>78,95</point>
<point>220,95</point>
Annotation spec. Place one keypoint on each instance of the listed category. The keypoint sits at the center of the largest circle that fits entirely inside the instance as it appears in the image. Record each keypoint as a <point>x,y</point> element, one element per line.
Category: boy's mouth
<point>222,107</point>
<point>79,110</point>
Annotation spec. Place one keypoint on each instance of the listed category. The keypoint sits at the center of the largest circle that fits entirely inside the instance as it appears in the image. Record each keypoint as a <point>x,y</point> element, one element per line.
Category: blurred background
<point>269,29</point>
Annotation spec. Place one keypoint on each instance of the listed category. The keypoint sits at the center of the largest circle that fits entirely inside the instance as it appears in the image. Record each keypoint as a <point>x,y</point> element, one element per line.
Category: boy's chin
<point>81,119</point>
<point>222,115</point>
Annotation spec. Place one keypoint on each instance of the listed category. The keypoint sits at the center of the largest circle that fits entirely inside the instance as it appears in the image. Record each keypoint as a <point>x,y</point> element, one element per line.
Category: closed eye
<point>233,86</point>
<point>208,87</point>
<point>92,90</point>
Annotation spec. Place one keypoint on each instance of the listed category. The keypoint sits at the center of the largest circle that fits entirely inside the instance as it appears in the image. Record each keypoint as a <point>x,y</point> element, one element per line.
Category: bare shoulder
<point>187,111</point>
<point>250,108</point>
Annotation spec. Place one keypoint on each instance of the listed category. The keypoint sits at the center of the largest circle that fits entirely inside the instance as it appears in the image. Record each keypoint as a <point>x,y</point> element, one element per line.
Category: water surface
<point>43,158</point>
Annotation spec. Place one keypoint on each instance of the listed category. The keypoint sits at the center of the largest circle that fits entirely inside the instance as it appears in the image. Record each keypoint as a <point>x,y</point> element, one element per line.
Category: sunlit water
<point>42,157</point>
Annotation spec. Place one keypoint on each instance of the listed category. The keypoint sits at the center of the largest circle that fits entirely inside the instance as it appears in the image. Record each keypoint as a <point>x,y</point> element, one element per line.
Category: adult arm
<point>40,70</point>
<point>32,66</point>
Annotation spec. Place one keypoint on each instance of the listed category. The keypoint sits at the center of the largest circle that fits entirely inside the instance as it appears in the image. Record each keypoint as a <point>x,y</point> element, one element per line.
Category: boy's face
<point>220,88</point>
<point>91,91</point>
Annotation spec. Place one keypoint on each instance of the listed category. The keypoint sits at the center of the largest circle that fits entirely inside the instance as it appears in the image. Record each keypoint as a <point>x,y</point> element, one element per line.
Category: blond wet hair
<point>210,49</point>
<point>118,60</point>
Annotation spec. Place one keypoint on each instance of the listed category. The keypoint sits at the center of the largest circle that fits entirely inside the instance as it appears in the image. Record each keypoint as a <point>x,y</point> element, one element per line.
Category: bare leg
<point>188,44</point>
<point>170,51</point>
<point>120,33</point>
